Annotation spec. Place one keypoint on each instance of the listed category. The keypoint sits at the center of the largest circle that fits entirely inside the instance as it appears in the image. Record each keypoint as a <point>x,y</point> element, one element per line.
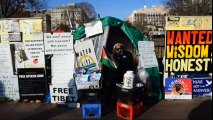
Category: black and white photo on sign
<point>5,60</point>
<point>35,53</point>
<point>58,43</point>
<point>62,67</point>
<point>93,28</point>
<point>86,55</point>
<point>9,87</point>
<point>147,57</point>
<point>84,81</point>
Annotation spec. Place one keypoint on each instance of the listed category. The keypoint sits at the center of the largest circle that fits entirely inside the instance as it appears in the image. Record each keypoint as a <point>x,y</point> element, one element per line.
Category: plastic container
<point>128,80</point>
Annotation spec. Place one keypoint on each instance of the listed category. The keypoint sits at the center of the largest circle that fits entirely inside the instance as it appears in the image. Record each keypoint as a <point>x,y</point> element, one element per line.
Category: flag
<point>107,60</point>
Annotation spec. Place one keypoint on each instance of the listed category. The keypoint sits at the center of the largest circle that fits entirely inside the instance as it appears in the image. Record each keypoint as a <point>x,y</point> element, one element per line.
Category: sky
<point>116,8</point>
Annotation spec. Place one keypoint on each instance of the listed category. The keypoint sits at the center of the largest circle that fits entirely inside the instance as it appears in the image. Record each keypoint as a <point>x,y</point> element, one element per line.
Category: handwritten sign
<point>62,67</point>
<point>147,58</point>
<point>9,87</point>
<point>58,43</point>
<point>5,60</point>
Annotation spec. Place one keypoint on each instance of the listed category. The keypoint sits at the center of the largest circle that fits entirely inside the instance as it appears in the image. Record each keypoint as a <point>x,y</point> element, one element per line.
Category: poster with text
<point>34,50</point>
<point>9,87</point>
<point>6,66</point>
<point>62,67</point>
<point>58,43</point>
<point>63,94</point>
<point>86,55</point>
<point>202,87</point>
<point>178,88</point>
<point>31,83</point>
<point>147,57</point>
<point>189,50</point>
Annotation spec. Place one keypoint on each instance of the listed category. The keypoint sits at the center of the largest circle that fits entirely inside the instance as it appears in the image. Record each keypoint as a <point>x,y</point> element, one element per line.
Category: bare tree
<point>10,8</point>
<point>88,9</point>
<point>189,7</point>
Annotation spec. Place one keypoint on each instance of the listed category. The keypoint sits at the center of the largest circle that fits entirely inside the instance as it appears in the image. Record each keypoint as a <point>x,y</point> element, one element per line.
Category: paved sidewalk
<point>195,109</point>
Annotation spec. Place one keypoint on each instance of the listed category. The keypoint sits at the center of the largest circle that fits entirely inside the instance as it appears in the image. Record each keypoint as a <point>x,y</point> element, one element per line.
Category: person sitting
<point>124,59</point>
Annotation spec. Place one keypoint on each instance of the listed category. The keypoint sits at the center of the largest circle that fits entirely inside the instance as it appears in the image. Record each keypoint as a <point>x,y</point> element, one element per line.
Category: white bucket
<point>128,80</point>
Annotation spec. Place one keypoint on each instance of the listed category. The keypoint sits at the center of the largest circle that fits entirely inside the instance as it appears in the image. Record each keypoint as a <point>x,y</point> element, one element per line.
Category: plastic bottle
<point>128,80</point>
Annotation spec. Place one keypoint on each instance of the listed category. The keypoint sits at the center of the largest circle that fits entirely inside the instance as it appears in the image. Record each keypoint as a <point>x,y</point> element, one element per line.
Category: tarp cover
<point>134,36</point>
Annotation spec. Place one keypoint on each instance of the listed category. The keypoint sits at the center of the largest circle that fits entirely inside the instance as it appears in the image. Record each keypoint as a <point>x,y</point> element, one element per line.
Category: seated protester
<point>124,59</point>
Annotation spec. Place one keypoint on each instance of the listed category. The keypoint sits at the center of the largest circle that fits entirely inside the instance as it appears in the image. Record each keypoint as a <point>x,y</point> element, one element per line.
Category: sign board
<point>9,87</point>
<point>31,83</point>
<point>178,88</point>
<point>35,53</point>
<point>86,55</point>
<point>63,93</point>
<point>58,43</point>
<point>62,67</point>
<point>5,60</point>
<point>88,80</point>
<point>188,44</point>
<point>202,87</point>
<point>148,57</point>
<point>93,28</point>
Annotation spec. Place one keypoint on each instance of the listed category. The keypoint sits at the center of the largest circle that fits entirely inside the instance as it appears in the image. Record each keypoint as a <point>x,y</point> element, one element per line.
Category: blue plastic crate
<point>91,111</point>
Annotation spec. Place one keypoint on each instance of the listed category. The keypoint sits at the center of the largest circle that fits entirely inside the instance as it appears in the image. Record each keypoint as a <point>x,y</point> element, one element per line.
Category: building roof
<point>154,9</point>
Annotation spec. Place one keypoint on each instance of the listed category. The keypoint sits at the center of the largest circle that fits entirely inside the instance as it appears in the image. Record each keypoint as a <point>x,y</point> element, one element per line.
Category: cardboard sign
<point>178,88</point>
<point>31,83</point>
<point>147,57</point>
<point>202,87</point>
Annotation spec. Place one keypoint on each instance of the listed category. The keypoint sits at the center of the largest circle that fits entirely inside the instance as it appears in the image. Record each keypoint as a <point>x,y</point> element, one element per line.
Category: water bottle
<point>128,80</point>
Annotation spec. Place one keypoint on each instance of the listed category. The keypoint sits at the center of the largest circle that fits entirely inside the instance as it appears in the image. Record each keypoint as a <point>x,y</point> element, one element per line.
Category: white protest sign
<point>86,55</point>
<point>93,28</point>
<point>5,60</point>
<point>35,53</point>
<point>62,67</point>
<point>58,43</point>
<point>147,57</point>
<point>9,87</point>
<point>63,93</point>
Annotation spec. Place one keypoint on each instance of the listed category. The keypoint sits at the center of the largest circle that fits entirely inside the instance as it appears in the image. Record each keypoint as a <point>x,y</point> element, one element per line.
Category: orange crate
<point>128,112</point>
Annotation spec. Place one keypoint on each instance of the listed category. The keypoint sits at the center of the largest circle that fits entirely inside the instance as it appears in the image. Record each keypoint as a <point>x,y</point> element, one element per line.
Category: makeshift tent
<point>115,30</point>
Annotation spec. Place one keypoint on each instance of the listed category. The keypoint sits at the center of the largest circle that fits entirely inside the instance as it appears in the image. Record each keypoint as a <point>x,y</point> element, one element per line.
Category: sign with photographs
<point>178,88</point>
